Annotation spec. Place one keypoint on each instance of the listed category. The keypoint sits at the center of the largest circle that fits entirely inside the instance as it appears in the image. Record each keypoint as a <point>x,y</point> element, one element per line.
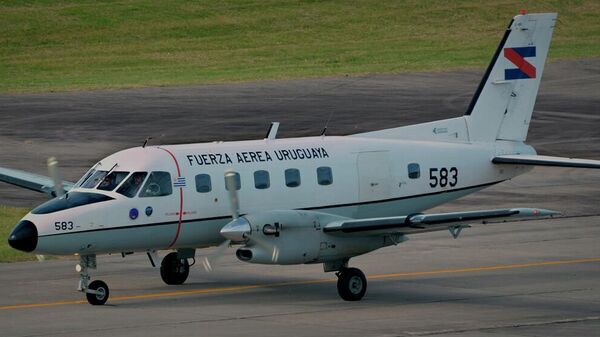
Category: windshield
<point>112,180</point>
<point>94,179</point>
<point>85,177</point>
<point>70,200</point>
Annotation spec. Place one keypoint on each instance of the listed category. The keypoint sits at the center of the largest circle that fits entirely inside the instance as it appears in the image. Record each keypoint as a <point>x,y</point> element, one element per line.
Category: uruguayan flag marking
<point>179,182</point>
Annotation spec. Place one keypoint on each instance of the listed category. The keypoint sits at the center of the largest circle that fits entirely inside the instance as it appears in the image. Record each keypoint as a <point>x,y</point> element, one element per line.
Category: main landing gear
<point>174,269</point>
<point>95,292</point>
<point>352,284</point>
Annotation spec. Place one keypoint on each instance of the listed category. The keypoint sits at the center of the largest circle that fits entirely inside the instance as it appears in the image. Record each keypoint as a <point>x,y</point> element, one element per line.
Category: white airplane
<point>300,200</point>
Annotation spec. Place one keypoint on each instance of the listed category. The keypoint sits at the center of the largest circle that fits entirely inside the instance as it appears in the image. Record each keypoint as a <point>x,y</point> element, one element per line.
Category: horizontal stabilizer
<point>546,161</point>
<point>32,181</point>
<point>421,223</point>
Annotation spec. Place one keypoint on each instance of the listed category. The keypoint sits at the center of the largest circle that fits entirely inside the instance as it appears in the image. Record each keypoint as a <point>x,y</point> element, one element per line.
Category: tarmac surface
<point>526,278</point>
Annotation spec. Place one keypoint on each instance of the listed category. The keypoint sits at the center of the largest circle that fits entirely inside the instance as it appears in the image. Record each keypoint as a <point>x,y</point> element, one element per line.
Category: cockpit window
<point>85,177</point>
<point>94,179</point>
<point>157,185</point>
<point>112,180</point>
<point>70,200</point>
<point>132,185</point>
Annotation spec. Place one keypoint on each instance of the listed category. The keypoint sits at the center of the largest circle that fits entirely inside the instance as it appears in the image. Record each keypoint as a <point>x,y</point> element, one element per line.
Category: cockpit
<point>92,188</point>
<point>155,184</point>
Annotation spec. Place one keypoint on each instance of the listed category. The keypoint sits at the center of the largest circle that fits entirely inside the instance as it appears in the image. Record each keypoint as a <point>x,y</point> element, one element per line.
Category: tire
<point>352,284</point>
<point>95,299</point>
<point>174,270</point>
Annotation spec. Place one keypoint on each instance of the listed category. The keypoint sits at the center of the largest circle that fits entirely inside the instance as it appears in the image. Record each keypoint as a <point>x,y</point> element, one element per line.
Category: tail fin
<point>503,102</point>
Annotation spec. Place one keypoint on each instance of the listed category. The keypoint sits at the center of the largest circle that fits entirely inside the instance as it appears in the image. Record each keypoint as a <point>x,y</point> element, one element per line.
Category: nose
<point>24,236</point>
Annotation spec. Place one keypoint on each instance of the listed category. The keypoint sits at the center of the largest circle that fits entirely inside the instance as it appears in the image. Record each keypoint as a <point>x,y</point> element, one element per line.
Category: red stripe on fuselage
<point>520,62</point>
<point>180,199</point>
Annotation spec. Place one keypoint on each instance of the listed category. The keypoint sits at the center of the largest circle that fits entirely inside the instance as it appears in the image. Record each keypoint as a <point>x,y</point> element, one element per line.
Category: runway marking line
<point>281,284</point>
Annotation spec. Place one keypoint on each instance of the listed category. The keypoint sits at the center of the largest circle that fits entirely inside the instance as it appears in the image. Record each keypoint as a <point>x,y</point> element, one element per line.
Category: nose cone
<point>24,236</point>
<point>236,230</point>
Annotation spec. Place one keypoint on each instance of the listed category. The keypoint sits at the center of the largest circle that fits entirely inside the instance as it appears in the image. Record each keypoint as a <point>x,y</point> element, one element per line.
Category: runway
<point>526,278</point>
<point>514,279</point>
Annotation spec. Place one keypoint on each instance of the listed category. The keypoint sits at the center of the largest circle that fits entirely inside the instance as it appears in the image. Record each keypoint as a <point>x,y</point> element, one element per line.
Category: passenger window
<point>94,179</point>
<point>203,183</point>
<point>157,185</point>
<point>292,178</point>
<point>238,183</point>
<point>261,180</point>
<point>112,180</point>
<point>324,175</point>
<point>414,171</point>
<point>132,185</point>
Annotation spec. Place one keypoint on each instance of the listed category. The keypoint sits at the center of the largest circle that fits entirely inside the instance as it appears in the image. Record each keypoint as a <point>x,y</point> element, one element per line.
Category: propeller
<point>55,175</point>
<point>238,229</point>
<point>210,259</point>
<point>230,183</point>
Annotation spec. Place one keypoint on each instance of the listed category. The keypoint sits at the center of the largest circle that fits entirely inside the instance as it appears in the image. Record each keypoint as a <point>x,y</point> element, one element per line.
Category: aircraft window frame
<point>324,175</point>
<point>262,179</point>
<point>85,177</point>
<point>203,186</point>
<point>238,182</point>
<point>94,179</point>
<point>128,184</point>
<point>158,184</point>
<point>414,170</point>
<point>292,177</point>
<point>117,178</point>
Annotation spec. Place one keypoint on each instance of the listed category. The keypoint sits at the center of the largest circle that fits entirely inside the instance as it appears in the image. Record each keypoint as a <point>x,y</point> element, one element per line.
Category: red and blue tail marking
<point>517,56</point>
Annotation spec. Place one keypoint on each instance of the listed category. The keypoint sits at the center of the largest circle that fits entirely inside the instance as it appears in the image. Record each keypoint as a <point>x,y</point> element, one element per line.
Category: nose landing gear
<point>96,292</point>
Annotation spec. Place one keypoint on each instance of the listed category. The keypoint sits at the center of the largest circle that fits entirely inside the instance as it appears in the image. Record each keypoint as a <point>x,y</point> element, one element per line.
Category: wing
<point>546,161</point>
<point>421,223</point>
<point>32,181</point>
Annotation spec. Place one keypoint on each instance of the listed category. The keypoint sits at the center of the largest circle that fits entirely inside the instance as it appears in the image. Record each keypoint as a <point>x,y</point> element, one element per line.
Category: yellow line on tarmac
<point>324,280</point>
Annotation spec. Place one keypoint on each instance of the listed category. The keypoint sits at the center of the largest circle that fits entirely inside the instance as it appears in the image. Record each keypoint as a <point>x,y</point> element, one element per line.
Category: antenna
<point>146,142</point>
<point>272,133</point>
<point>327,123</point>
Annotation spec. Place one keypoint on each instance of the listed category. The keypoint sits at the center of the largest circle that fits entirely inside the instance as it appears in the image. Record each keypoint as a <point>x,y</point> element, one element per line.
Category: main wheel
<point>102,293</point>
<point>352,284</point>
<point>174,270</point>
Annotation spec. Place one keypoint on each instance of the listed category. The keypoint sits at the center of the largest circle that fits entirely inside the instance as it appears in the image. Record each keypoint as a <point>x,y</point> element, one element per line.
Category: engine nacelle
<point>296,237</point>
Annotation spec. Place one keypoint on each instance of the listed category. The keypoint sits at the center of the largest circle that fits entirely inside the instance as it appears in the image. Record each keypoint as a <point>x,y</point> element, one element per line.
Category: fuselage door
<point>374,177</point>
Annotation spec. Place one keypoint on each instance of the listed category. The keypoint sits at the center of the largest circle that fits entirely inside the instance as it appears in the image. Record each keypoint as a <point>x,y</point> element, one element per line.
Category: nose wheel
<point>352,284</point>
<point>95,292</point>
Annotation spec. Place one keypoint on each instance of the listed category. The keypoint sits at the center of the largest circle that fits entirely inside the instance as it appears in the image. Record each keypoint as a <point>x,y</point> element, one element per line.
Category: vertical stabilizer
<point>503,103</point>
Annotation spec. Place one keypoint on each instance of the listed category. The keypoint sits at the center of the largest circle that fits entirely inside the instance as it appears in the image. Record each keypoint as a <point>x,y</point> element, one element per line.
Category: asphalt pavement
<point>525,278</point>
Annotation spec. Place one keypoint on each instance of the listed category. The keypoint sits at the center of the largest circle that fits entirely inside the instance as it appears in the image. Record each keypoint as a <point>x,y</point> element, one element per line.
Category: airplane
<point>311,200</point>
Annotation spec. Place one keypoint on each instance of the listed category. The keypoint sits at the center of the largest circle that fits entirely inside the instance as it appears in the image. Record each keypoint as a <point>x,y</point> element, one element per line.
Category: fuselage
<point>181,200</point>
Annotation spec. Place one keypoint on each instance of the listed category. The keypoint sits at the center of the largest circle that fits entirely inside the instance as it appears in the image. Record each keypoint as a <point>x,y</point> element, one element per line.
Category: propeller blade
<point>40,258</point>
<point>210,260</point>
<point>231,185</point>
<point>55,175</point>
